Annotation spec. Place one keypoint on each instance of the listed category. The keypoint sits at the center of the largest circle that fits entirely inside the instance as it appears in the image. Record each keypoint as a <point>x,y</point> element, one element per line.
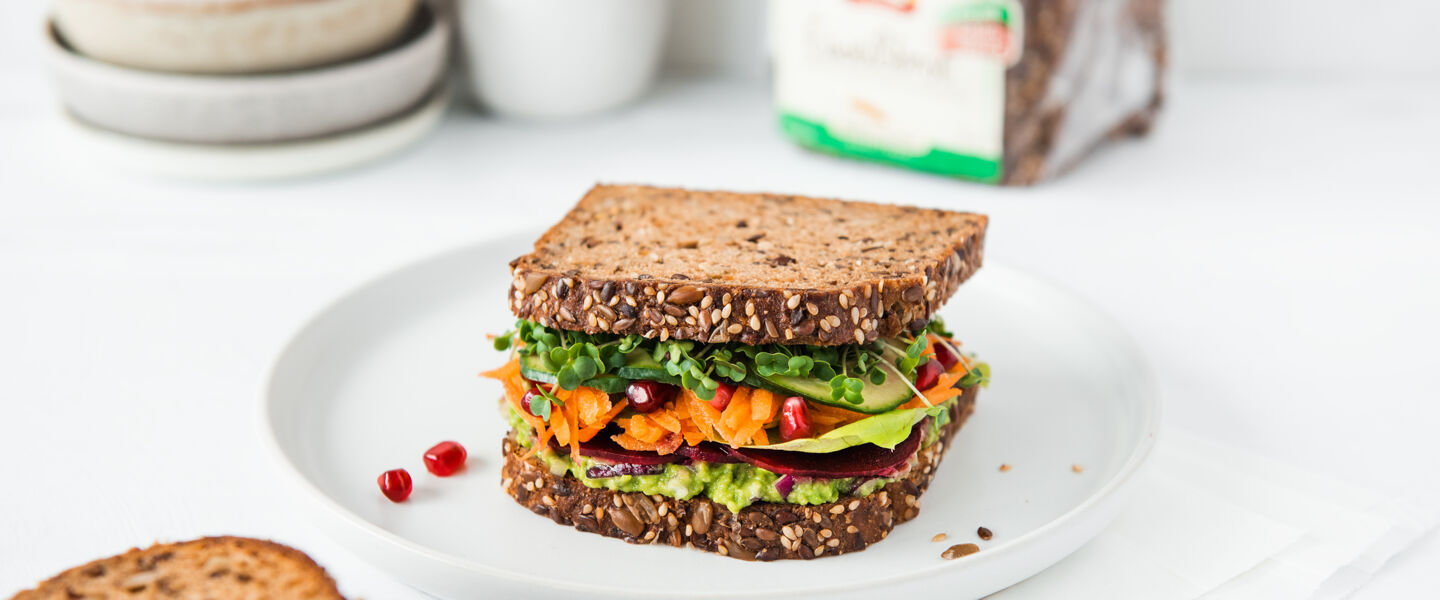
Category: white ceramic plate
<point>257,162</point>
<point>390,369</point>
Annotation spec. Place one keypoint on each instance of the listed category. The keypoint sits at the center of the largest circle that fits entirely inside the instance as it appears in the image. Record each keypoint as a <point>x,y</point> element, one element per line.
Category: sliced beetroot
<point>865,460</point>
<point>604,448</point>
<point>618,469</point>
<point>710,452</point>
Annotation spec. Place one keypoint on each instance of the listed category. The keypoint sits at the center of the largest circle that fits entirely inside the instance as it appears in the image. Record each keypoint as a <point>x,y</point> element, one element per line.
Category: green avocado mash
<point>734,485</point>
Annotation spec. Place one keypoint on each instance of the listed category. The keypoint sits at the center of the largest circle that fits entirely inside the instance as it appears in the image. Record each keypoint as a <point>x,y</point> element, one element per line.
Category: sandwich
<point>760,376</point>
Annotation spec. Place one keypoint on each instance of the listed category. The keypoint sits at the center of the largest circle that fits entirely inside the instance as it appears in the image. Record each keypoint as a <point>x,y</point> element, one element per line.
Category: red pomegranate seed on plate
<point>395,484</point>
<point>445,458</point>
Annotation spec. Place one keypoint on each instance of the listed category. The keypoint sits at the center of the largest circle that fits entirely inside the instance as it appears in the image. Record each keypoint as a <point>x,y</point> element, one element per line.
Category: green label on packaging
<point>814,135</point>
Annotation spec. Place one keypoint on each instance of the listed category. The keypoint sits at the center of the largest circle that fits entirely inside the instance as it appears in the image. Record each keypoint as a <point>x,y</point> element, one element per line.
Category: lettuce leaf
<point>885,430</point>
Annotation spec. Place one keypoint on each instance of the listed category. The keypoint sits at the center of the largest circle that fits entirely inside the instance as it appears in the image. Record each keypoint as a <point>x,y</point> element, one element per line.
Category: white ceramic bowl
<point>254,108</point>
<point>230,36</point>
<point>555,59</point>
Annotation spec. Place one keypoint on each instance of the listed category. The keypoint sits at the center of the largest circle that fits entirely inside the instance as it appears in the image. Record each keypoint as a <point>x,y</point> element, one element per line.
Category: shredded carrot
<point>669,443</point>
<point>735,415</point>
<point>704,415</point>
<point>667,420</point>
<point>630,443</point>
<point>944,388</point>
<point>590,403</point>
<point>599,424</point>
<point>763,406</point>
<point>572,425</point>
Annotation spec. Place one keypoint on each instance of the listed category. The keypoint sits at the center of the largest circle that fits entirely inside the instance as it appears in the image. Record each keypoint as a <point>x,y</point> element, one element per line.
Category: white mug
<point>549,59</point>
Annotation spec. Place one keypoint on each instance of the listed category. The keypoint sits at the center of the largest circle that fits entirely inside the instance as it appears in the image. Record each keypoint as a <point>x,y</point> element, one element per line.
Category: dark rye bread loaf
<point>215,568</point>
<point>762,531</point>
<point>1065,76</point>
<point>751,268</point>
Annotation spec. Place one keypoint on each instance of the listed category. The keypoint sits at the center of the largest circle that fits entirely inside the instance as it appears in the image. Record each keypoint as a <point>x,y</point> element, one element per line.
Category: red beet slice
<point>865,460</point>
<point>604,448</point>
<point>618,469</point>
<point>709,452</point>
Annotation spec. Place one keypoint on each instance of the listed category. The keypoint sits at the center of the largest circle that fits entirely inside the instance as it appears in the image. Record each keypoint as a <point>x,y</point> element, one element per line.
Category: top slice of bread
<point>217,568</point>
<point>751,268</point>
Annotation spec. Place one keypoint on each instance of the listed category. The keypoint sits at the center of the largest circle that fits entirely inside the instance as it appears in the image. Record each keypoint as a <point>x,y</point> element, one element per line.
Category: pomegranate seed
<point>525,401</point>
<point>946,356</point>
<point>794,420</point>
<point>648,396</point>
<point>722,396</point>
<point>445,458</point>
<point>395,484</point>
<point>927,375</point>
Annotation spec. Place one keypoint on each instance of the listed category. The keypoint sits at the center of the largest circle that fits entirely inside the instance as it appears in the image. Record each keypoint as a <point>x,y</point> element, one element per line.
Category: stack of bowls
<point>245,72</point>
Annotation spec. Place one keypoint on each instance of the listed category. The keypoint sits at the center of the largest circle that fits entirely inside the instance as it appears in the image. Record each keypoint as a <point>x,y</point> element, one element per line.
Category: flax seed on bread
<point>751,268</point>
<point>761,531</point>
<point>216,568</point>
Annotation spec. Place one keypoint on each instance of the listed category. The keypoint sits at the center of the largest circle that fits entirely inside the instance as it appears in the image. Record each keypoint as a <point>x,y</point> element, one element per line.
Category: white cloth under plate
<point>1213,522</point>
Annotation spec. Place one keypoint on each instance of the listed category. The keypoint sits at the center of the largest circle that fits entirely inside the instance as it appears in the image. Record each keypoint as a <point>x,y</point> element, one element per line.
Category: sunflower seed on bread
<point>751,268</point>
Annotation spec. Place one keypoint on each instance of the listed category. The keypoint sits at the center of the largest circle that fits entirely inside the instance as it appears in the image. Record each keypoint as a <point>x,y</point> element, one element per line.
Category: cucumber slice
<point>639,365</point>
<point>533,368</point>
<point>877,398</point>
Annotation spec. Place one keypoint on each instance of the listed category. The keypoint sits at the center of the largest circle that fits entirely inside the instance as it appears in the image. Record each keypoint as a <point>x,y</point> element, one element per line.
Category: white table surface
<point>1273,246</point>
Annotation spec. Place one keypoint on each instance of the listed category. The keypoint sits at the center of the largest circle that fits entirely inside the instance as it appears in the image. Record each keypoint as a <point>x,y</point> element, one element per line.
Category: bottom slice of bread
<point>762,531</point>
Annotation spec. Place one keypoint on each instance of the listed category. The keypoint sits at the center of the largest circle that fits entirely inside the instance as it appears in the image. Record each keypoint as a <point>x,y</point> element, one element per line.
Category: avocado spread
<point>736,485</point>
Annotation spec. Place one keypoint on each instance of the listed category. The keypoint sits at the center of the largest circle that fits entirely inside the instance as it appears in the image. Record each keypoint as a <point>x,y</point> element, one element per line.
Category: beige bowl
<point>229,36</point>
<point>267,107</point>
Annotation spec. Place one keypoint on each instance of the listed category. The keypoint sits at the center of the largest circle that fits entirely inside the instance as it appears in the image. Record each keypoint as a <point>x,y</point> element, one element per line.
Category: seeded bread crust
<point>755,268</point>
<point>217,568</point>
<point>762,531</point>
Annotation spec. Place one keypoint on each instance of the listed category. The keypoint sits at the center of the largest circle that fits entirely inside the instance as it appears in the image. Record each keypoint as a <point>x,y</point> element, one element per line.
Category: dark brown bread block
<point>761,531</point>
<point>752,268</point>
<point>1060,65</point>
<point>214,568</point>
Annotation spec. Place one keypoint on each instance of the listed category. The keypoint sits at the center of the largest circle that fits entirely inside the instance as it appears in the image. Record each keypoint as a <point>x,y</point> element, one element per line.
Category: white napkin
<point>1213,522</point>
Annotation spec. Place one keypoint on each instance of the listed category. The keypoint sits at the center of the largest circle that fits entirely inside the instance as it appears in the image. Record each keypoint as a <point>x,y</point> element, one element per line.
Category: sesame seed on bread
<point>751,268</point>
<point>216,568</point>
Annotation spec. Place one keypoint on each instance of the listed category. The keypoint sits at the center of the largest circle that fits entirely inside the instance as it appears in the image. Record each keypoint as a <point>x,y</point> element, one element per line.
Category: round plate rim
<point>1150,389</point>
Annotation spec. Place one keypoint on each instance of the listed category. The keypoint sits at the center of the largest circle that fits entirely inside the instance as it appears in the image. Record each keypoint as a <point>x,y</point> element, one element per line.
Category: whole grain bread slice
<point>752,268</point>
<point>215,568</point>
<point>762,531</point>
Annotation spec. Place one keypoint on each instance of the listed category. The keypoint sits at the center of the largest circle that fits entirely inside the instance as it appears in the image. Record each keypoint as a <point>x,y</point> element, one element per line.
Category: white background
<point>1273,246</point>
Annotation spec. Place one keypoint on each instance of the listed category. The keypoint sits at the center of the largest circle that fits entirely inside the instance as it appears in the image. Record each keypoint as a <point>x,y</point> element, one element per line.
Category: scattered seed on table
<point>939,537</point>
<point>1077,468</point>
<point>984,533</point>
<point>1004,468</point>
<point>959,550</point>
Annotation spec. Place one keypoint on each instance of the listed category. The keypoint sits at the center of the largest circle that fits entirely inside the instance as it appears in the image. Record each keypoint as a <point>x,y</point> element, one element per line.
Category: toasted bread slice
<point>215,568</point>
<point>762,531</point>
<point>752,268</point>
